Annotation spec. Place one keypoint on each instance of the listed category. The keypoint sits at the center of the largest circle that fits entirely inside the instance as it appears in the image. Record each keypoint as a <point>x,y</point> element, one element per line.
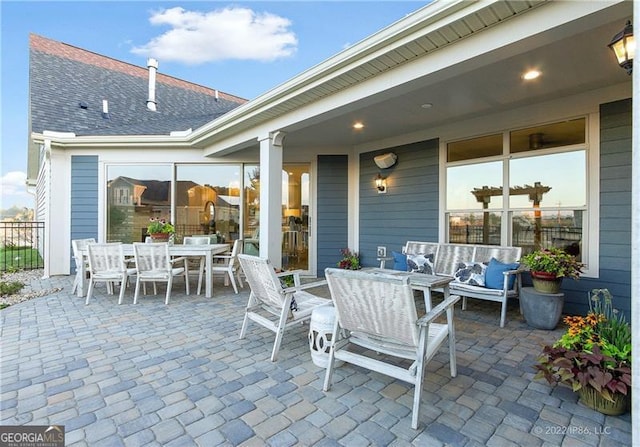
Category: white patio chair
<point>78,246</point>
<point>197,240</point>
<point>227,265</point>
<point>154,264</point>
<point>377,311</point>
<point>269,299</point>
<point>107,264</point>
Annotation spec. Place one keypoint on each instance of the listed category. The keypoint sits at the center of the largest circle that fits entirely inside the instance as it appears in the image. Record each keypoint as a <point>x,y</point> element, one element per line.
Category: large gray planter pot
<point>541,310</point>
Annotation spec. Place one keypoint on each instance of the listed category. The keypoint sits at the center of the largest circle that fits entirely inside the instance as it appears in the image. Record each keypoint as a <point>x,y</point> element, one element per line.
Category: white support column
<point>271,198</point>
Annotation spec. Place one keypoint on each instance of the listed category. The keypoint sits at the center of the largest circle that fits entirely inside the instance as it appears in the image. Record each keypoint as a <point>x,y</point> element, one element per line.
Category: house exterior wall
<point>615,213</point>
<point>409,208</point>
<point>332,210</point>
<point>84,197</point>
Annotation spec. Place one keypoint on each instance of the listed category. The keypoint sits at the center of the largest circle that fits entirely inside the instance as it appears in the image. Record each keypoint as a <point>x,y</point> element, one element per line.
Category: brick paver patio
<point>177,375</point>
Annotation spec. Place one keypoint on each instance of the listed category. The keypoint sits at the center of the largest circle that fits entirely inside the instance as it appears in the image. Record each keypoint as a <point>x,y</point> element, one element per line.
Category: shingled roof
<point>67,86</point>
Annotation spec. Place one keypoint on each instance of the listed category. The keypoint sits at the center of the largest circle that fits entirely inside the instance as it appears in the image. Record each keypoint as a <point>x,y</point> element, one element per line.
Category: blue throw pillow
<point>399,261</point>
<point>493,277</point>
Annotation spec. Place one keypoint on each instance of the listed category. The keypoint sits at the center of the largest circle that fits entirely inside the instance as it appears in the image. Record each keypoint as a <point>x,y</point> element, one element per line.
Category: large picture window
<point>136,193</point>
<point>531,193</point>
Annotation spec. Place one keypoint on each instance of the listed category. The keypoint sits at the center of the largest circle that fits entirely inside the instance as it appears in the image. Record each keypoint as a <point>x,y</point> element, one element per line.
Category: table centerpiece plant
<point>593,356</point>
<point>160,229</point>
<point>548,266</point>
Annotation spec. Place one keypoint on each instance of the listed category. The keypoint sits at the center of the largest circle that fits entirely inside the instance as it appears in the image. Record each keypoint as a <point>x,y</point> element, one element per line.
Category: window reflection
<point>208,201</point>
<point>475,228</point>
<point>134,195</point>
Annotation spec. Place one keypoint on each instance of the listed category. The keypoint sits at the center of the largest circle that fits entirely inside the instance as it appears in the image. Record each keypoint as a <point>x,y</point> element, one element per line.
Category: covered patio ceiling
<point>573,58</point>
<point>577,63</point>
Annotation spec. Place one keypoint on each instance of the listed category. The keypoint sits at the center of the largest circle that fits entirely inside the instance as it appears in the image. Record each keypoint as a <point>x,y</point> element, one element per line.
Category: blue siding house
<point>484,153</point>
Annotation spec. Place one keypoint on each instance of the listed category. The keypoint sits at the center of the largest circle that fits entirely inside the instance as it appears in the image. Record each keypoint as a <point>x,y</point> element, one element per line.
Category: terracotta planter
<point>546,282</point>
<point>160,237</point>
<point>594,400</point>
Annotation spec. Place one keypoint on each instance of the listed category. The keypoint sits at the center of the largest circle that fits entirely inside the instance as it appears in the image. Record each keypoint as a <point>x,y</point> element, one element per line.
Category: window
<point>529,192</point>
<point>134,195</point>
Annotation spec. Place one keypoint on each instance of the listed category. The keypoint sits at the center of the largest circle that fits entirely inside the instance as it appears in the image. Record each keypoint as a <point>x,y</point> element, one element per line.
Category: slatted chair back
<point>107,264</point>
<point>271,304</point>
<point>154,263</point>
<point>377,311</point>
<point>78,246</point>
<point>261,276</point>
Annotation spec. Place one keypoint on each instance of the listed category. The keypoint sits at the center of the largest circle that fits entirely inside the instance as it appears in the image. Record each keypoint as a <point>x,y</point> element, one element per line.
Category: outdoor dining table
<point>421,281</point>
<point>208,251</point>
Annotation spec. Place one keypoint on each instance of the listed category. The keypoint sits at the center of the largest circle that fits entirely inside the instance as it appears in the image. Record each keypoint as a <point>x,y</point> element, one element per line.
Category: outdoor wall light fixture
<point>381,184</point>
<point>624,46</point>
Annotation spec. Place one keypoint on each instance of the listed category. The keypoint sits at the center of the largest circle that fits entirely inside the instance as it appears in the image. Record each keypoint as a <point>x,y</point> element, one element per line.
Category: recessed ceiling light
<point>426,105</point>
<point>531,74</point>
<point>358,125</point>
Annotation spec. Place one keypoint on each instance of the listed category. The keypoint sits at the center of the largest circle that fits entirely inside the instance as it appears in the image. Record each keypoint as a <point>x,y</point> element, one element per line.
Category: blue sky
<point>242,48</point>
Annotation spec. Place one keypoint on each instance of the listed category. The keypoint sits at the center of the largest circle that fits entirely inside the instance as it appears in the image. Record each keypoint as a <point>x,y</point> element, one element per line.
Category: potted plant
<point>549,266</point>
<point>350,260</point>
<point>593,356</point>
<point>160,229</point>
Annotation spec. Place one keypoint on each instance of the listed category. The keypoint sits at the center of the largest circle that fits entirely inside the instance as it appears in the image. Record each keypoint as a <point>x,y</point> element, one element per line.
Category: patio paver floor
<point>177,375</point>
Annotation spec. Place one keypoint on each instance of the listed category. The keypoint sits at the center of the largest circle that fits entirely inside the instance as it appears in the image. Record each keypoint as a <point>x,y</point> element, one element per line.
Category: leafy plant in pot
<point>549,266</point>
<point>160,229</point>
<point>593,357</point>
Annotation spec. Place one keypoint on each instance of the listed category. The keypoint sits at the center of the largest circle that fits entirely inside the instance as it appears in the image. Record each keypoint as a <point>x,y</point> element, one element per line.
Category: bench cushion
<point>494,278</point>
<point>471,273</point>
<point>399,261</point>
<point>420,263</point>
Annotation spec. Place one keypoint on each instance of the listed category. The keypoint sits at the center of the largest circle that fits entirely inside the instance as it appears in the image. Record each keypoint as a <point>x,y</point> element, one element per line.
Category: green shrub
<point>11,287</point>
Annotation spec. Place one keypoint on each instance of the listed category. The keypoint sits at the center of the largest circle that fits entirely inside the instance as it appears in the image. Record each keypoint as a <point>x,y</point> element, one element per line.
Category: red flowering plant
<point>350,260</point>
<point>594,352</point>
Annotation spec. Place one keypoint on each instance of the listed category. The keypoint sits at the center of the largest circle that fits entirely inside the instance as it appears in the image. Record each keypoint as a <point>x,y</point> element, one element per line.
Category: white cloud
<point>229,33</point>
<point>14,190</point>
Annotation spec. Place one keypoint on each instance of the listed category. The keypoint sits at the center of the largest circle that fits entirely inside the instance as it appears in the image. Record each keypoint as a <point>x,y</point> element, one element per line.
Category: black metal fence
<point>21,245</point>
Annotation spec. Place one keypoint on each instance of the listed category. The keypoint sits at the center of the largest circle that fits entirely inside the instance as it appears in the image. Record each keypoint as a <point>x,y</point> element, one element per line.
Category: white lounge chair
<point>270,303</point>
<point>377,311</point>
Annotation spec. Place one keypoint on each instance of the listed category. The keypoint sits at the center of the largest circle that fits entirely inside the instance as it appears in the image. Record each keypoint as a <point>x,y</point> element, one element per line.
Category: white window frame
<point>591,228</point>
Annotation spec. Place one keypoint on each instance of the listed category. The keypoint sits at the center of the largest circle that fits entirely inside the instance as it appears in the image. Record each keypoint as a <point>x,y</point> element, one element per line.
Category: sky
<point>241,48</point>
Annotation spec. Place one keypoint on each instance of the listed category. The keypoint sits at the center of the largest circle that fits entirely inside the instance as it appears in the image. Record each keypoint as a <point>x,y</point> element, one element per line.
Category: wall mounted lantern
<point>381,184</point>
<point>624,46</point>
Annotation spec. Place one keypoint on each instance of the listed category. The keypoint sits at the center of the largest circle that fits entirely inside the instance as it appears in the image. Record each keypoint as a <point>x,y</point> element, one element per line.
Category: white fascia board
<point>62,140</point>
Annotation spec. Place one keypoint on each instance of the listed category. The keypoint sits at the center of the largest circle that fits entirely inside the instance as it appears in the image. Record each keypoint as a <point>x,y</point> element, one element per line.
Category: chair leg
<point>135,293</point>
<point>233,281</point>
<point>169,284</point>
<point>123,285</point>
<point>280,328</point>
<point>245,323</point>
<point>200,275</point>
<point>90,291</point>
